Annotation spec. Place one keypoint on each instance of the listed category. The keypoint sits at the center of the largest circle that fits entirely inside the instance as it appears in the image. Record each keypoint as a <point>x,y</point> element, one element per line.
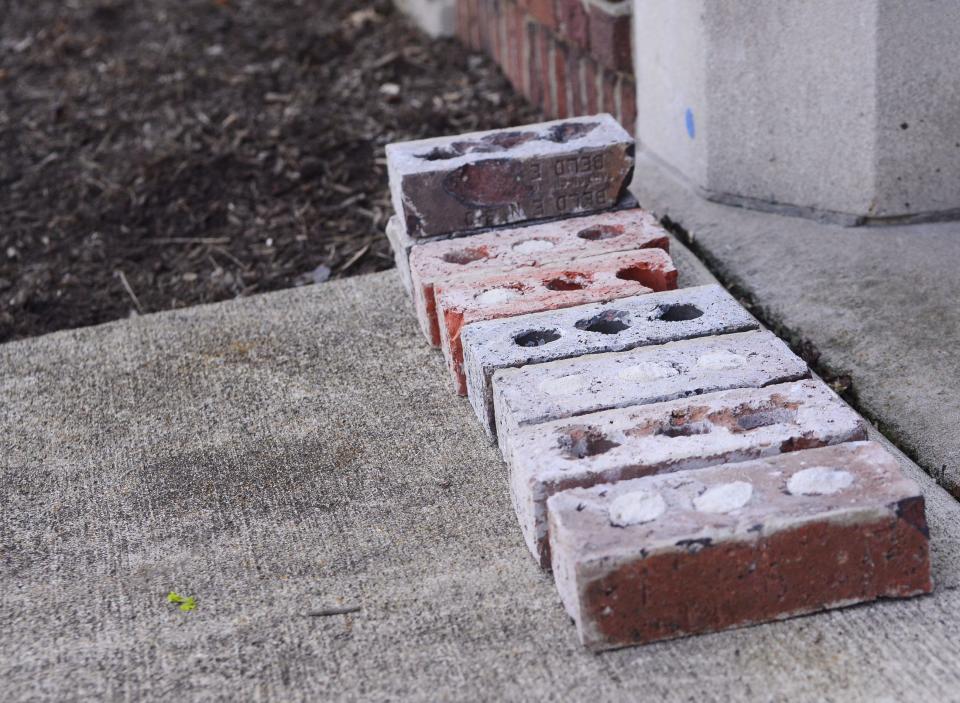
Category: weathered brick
<point>677,435</point>
<point>546,287</point>
<point>701,551</point>
<point>628,103</point>
<point>534,78</point>
<point>562,79</point>
<point>575,82</point>
<point>540,393</point>
<point>471,181</point>
<point>590,85</point>
<point>610,34</point>
<point>608,84</point>
<point>573,22</point>
<point>463,20</point>
<point>537,338</point>
<point>545,43</point>
<point>505,250</point>
<point>543,11</point>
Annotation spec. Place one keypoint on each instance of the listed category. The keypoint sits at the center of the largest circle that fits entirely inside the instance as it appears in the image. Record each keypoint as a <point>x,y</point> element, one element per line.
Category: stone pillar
<point>435,17</point>
<point>846,111</point>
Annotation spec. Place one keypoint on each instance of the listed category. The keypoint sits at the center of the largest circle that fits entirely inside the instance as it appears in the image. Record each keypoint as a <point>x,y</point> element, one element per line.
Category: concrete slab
<point>259,455</point>
<point>878,303</point>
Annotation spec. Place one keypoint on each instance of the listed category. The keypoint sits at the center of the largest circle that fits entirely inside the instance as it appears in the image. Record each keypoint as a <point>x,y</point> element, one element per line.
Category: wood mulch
<point>163,153</point>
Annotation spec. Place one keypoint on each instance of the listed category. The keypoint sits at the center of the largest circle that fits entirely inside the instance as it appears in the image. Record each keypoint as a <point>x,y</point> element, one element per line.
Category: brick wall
<point>570,57</point>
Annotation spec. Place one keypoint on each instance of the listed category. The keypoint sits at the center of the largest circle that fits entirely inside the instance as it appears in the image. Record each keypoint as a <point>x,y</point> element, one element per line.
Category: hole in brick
<point>608,322</point>
<point>568,131</point>
<point>678,312</point>
<point>465,256</point>
<point>567,281</point>
<point>508,140</point>
<point>600,232</point>
<point>581,441</point>
<point>491,143</point>
<point>440,154</point>
<point>642,275</point>
<point>536,338</point>
<point>686,429</point>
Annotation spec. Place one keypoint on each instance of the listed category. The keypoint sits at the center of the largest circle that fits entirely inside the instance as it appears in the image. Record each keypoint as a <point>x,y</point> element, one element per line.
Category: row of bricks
<point>560,76</point>
<point>623,420</point>
<point>600,28</point>
<point>612,438</point>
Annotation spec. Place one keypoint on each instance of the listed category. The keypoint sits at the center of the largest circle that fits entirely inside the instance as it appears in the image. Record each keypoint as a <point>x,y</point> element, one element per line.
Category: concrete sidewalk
<point>286,453</point>
<point>879,303</point>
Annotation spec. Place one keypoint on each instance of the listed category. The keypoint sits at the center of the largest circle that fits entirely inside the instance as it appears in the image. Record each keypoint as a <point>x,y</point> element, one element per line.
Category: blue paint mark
<point>691,127</point>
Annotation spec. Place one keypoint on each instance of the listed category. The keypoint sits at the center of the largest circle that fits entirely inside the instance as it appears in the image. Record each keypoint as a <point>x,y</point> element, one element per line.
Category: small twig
<point>190,240</point>
<point>327,612</point>
<point>355,258</point>
<point>126,285</point>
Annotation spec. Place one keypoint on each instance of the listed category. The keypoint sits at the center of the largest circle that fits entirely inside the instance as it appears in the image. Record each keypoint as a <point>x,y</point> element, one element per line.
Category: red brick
<point>575,81</point>
<point>463,21</point>
<point>628,103</point>
<point>523,57</point>
<point>609,86</point>
<point>448,261</point>
<point>535,79</point>
<point>610,34</point>
<point>514,68</point>
<point>561,78</point>
<point>548,287</point>
<point>484,16</point>
<point>545,43</point>
<point>543,11</point>
<point>701,551</point>
<point>573,22</point>
<point>475,24</point>
<point>591,92</point>
<point>501,30</point>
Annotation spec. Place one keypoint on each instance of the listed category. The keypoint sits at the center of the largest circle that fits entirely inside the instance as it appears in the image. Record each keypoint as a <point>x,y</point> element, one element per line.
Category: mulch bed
<point>163,153</point>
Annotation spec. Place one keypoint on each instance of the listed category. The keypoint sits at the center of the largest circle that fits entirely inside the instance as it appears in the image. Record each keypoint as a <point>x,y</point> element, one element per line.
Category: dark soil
<point>156,154</point>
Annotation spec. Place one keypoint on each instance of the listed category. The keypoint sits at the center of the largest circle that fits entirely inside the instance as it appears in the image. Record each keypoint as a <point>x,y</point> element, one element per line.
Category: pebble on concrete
<point>592,279</point>
<point>726,546</point>
<point>677,435</point>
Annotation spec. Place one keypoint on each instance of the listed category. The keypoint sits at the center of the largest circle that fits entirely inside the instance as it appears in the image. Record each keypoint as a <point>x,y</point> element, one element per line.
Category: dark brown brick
<point>473,181</point>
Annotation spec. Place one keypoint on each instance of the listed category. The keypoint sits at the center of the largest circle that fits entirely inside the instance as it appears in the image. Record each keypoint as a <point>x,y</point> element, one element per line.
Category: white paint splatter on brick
<point>819,481</point>
<point>647,371</point>
<point>531,246</point>
<point>724,498</point>
<point>565,385</point>
<point>636,508</point>
<point>496,296</point>
<point>721,359</point>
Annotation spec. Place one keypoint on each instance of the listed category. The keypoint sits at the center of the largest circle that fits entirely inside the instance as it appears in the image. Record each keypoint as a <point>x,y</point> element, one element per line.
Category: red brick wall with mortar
<point>569,57</point>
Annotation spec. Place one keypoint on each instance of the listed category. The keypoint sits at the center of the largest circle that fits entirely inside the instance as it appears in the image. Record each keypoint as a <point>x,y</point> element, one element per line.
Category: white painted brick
<point>543,392</point>
<point>624,324</point>
<point>691,433</point>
